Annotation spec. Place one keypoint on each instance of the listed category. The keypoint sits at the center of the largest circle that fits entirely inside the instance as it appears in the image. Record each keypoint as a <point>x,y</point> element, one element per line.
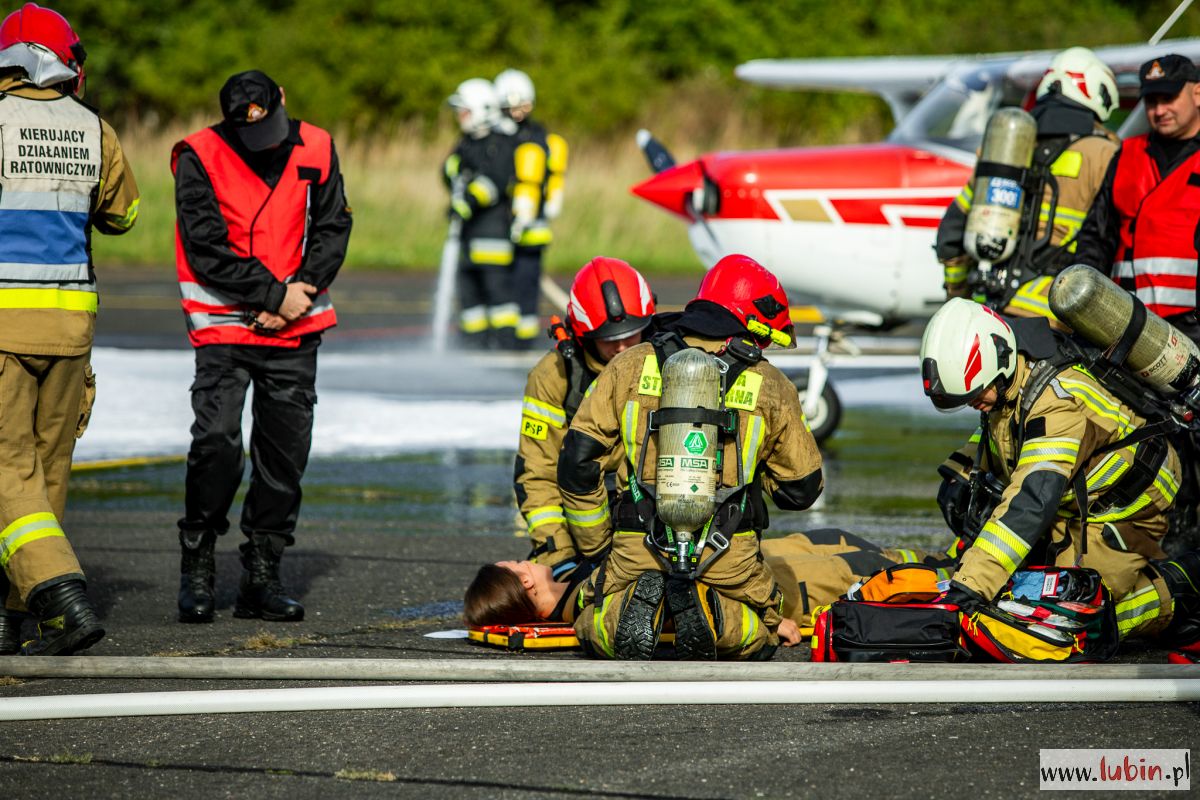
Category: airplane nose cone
<point>672,188</point>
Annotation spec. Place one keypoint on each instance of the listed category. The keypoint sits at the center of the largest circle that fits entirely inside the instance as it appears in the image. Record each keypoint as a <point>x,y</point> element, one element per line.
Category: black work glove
<point>967,600</point>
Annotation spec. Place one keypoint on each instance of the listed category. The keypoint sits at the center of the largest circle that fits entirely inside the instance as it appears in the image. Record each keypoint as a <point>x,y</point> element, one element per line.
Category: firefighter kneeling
<point>1081,478</point>
<point>743,433</point>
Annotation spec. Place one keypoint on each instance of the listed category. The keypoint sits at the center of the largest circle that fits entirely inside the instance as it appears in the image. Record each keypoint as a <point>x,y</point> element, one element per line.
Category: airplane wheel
<point>829,409</point>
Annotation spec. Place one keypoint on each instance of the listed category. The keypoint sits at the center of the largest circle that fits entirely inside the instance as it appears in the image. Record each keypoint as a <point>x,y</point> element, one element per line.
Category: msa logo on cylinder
<point>695,443</point>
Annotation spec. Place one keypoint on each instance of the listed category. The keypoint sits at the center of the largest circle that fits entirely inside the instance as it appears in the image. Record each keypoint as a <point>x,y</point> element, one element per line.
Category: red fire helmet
<point>609,300</point>
<point>753,294</point>
<point>32,24</point>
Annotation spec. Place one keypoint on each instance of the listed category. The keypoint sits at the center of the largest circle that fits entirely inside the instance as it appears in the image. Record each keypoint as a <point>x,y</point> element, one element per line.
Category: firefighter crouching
<point>480,176</point>
<point>1064,452</point>
<point>64,176</point>
<point>1054,184</point>
<point>610,307</point>
<point>724,601</point>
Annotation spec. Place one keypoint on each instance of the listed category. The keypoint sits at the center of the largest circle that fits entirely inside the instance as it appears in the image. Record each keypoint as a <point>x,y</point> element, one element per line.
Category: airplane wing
<point>901,80</point>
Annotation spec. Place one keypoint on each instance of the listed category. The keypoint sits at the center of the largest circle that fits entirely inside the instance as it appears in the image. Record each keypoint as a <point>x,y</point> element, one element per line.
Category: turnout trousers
<point>738,628</point>
<point>282,408</point>
<point>45,402</point>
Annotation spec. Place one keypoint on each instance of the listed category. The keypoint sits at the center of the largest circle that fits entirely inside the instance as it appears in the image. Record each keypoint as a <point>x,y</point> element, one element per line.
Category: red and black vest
<point>1157,256</point>
<point>270,224</point>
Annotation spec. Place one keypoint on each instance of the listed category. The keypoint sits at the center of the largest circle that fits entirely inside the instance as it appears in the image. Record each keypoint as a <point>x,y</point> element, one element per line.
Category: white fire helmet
<point>477,106</point>
<point>515,89</point>
<point>965,349</point>
<point>1077,74</point>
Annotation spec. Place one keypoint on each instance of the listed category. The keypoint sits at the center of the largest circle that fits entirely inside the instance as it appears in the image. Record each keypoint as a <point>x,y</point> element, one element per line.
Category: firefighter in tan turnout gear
<point>1067,152</point>
<point>63,175</point>
<point>1065,452</point>
<point>722,598</point>
<point>610,307</point>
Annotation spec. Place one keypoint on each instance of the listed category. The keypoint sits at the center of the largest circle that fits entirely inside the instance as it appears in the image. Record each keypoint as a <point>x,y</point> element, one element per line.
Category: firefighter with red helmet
<point>64,176</point>
<point>262,229</point>
<point>728,605</point>
<point>610,308</point>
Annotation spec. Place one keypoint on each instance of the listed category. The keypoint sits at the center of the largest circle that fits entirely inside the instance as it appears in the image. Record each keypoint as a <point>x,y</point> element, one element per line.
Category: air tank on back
<point>685,481</point>
<point>995,216</point>
<point>1100,311</point>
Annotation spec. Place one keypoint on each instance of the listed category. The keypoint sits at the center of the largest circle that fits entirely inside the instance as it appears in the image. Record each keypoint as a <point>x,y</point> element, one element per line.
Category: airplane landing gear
<point>820,402</point>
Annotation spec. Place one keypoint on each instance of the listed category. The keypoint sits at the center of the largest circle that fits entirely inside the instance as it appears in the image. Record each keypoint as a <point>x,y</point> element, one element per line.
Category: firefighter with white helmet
<point>540,165</point>
<point>611,307</point>
<point>762,447</point>
<point>1051,188</point>
<point>64,177</point>
<point>1061,450</point>
<point>479,174</point>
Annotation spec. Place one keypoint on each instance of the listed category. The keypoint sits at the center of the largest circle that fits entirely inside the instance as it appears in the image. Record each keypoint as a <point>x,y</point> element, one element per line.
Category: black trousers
<point>284,395</point>
<point>527,277</point>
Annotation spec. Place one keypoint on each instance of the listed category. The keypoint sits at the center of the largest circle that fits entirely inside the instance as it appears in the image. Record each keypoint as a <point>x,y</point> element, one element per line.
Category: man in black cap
<point>1143,227</point>
<point>262,228</point>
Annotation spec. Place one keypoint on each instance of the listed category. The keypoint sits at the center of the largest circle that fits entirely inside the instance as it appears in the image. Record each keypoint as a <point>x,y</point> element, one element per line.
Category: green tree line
<point>601,66</point>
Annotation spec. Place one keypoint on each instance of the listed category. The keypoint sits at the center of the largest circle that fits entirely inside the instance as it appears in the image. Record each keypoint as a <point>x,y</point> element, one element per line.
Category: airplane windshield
<point>956,110</point>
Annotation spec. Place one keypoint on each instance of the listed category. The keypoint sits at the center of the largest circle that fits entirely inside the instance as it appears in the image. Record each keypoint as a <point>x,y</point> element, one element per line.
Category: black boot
<point>260,594</point>
<point>67,621</point>
<point>197,573</point>
<point>10,632</point>
<point>1182,576</point>
<point>695,639</point>
<point>641,619</point>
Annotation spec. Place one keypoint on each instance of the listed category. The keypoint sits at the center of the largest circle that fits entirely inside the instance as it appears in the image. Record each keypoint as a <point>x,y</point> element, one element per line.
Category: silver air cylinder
<point>995,215</point>
<point>686,478</point>
<point>1100,311</point>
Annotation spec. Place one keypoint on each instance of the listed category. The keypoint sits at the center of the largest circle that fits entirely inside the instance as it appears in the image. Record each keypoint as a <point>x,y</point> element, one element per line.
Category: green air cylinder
<point>1100,311</point>
<point>686,478</point>
<point>995,216</point>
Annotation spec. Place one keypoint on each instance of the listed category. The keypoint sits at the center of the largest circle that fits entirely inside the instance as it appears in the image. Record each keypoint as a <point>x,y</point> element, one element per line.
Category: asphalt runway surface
<point>385,547</point>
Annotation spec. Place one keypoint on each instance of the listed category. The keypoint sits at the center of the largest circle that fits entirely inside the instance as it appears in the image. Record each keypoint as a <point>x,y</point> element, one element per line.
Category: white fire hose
<point>580,683</point>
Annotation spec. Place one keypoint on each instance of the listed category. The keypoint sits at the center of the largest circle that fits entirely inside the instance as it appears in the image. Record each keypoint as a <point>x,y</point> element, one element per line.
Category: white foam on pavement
<point>143,407</point>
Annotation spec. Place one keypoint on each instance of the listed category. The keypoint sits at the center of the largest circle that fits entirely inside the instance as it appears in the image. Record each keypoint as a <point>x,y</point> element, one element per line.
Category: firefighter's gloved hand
<point>460,208</point>
<point>517,231</point>
<point>964,598</point>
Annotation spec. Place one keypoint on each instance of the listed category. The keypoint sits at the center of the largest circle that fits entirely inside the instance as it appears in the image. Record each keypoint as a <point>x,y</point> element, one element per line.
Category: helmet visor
<point>935,390</point>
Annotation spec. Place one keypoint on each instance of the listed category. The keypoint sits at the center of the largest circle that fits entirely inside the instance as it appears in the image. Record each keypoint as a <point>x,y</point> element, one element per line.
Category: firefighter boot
<point>1182,576</point>
<point>695,639</point>
<point>197,573</point>
<point>67,621</point>
<point>260,594</point>
<point>641,619</point>
<point>10,632</point>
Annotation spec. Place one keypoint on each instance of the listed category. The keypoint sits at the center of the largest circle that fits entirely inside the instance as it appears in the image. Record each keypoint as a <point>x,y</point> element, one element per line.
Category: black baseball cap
<point>1166,75</point>
<point>252,104</point>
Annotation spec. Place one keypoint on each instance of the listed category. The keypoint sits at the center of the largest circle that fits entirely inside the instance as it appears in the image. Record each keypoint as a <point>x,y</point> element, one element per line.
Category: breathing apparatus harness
<point>737,355</point>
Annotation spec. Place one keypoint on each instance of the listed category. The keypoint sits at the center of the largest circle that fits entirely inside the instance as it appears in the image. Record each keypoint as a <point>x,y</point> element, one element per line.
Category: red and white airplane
<point>850,228</point>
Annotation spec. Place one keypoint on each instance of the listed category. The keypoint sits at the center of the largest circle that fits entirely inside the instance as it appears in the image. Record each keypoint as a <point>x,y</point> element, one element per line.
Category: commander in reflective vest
<point>62,175</point>
<point>262,227</point>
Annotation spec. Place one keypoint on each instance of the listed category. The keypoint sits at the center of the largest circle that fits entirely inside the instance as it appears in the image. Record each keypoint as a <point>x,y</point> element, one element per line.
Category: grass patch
<point>264,640</point>
<point>7,680</point>
<point>399,202</point>
<point>365,775</point>
<point>71,758</point>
